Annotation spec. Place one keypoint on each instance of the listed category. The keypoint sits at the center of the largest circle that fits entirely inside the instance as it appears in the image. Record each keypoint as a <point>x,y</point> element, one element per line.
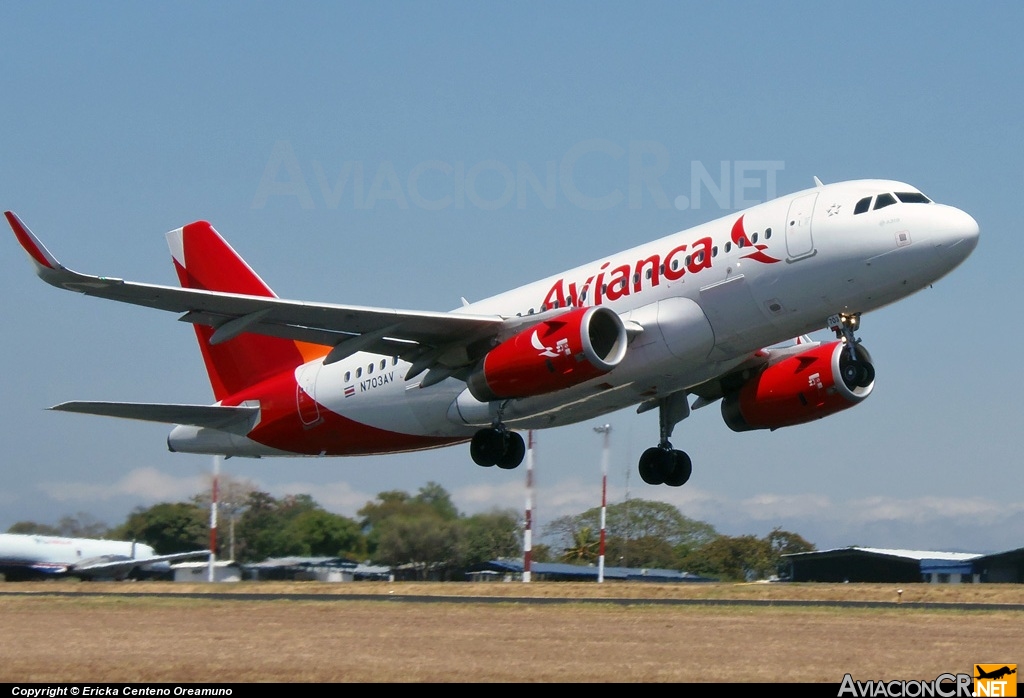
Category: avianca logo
<point>561,347</point>
<point>740,239</point>
<point>624,280</point>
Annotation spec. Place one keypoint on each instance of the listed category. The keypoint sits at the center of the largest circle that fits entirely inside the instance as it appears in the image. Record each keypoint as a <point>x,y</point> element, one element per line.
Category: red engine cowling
<point>567,350</point>
<point>801,388</point>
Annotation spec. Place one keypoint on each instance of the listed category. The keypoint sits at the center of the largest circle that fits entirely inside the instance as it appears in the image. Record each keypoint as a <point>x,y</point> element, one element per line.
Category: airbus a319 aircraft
<point>704,315</point>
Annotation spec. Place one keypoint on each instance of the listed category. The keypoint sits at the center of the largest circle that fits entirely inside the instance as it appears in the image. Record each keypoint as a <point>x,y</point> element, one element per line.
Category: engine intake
<point>801,388</point>
<point>567,350</point>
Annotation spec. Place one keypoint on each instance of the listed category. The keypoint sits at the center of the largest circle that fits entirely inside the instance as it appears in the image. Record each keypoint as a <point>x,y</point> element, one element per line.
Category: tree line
<point>425,533</point>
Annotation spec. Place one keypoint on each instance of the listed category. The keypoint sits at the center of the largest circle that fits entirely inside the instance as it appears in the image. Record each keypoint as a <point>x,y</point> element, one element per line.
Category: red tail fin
<point>204,260</point>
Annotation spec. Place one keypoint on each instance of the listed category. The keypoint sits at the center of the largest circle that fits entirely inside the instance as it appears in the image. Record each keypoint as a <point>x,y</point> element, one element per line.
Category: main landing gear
<point>662,464</point>
<point>497,446</point>
<point>856,370</point>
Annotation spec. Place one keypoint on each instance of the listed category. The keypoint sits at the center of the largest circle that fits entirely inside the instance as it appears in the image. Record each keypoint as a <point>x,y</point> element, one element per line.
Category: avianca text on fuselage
<point>626,279</point>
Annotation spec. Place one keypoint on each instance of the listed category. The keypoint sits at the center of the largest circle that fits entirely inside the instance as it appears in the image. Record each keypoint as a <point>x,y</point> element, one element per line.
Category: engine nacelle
<point>567,350</point>
<point>801,388</point>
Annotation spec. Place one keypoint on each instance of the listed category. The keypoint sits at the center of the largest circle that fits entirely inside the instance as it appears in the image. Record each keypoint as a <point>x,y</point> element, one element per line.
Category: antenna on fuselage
<point>817,182</point>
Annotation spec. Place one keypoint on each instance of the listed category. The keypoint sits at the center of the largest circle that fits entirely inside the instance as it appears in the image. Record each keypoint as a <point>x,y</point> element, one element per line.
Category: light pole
<point>528,532</point>
<point>211,572</point>
<point>606,430</point>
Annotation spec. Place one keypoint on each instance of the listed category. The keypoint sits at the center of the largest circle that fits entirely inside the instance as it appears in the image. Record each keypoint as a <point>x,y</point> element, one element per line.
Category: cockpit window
<point>913,197</point>
<point>884,200</point>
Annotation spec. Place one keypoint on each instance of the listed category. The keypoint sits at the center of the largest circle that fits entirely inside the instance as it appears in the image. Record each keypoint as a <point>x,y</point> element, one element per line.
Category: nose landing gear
<point>857,371</point>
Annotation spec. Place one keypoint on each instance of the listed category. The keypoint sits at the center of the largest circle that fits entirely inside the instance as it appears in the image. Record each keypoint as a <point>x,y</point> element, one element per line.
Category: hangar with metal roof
<point>856,564</point>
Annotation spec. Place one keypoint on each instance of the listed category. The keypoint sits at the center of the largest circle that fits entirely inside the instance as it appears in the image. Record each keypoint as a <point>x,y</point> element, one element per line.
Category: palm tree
<point>584,547</point>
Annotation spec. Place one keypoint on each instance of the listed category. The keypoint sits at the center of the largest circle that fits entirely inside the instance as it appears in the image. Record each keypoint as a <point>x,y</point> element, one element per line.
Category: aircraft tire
<point>866,375</point>
<point>487,446</point>
<point>515,451</point>
<point>680,470</point>
<point>650,468</point>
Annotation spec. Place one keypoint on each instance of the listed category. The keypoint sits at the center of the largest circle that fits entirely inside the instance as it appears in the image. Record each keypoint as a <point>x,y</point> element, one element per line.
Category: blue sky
<point>409,154</point>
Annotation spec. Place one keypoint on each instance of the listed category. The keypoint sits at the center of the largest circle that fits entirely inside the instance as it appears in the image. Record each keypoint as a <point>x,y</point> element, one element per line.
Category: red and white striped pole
<point>527,533</point>
<point>213,519</point>
<point>606,430</point>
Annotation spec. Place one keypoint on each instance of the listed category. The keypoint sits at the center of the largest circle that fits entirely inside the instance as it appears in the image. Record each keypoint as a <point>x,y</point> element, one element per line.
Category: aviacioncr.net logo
<point>943,686</point>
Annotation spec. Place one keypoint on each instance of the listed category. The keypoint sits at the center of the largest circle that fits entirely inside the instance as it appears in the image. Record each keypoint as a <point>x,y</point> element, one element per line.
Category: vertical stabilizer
<point>205,261</point>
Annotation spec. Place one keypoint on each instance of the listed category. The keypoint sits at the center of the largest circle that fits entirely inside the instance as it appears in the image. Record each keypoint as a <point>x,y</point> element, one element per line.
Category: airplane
<point>26,556</point>
<point>995,674</point>
<point>718,312</point>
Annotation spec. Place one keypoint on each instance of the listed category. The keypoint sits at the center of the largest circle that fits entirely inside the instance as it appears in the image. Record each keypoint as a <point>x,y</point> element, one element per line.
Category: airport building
<point>855,564</point>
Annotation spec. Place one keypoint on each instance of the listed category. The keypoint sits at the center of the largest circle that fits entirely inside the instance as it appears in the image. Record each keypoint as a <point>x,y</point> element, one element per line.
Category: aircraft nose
<point>956,234</point>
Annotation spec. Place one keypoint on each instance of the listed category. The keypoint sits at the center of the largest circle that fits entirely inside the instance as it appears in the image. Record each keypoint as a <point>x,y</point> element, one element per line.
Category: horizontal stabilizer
<point>212,416</point>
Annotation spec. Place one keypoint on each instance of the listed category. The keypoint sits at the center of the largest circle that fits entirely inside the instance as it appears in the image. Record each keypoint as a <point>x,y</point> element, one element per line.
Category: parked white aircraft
<point>699,313</point>
<point>38,557</point>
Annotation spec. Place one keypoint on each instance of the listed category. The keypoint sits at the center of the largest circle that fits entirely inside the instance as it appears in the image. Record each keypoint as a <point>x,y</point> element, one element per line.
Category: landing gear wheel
<point>665,466</point>
<point>866,375</point>
<point>515,451</point>
<point>487,446</point>
<point>651,471</point>
<point>680,469</point>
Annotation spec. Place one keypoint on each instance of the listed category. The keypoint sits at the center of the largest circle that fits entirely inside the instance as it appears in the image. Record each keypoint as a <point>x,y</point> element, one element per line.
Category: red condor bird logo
<point>740,239</point>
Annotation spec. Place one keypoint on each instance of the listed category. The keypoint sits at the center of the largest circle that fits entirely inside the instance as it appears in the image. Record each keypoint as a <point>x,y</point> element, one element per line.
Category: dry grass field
<point>106,635</point>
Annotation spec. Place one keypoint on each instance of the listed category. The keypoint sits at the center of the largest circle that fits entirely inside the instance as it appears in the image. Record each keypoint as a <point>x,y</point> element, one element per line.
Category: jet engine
<point>801,388</point>
<point>554,354</point>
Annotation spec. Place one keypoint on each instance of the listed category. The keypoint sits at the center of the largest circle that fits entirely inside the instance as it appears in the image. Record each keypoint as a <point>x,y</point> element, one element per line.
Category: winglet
<point>35,249</point>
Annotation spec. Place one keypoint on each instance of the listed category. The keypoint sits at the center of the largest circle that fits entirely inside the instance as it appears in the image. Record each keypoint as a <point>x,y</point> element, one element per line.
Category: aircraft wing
<point>119,567</point>
<point>423,337</point>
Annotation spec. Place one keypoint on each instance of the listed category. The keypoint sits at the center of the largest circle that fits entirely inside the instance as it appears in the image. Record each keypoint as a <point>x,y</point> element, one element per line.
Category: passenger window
<point>862,205</point>
<point>767,233</point>
<point>884,200</point>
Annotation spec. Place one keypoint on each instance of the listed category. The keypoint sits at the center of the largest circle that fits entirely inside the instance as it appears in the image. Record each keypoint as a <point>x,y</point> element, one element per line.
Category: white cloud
<point>145,484</point>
